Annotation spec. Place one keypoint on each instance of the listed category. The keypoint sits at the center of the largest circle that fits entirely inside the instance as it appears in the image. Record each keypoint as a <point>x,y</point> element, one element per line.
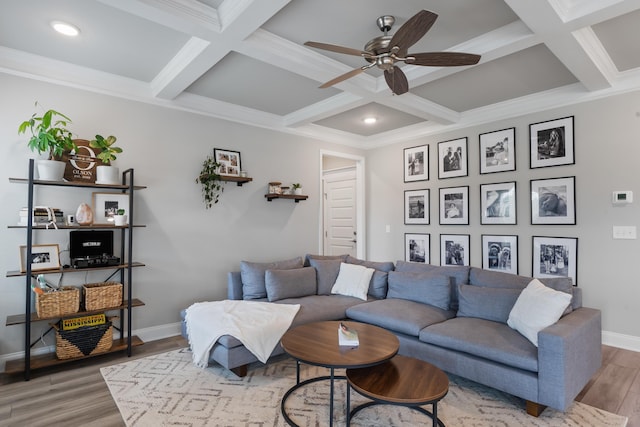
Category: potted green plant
<point>49,134</point>
<point>106,173</point>
<point>120,218</point>
<point>210,180</point>
<point>297,188</point>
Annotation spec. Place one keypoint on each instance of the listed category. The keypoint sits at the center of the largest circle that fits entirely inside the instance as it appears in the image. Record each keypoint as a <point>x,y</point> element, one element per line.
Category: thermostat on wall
<point>622,197</point>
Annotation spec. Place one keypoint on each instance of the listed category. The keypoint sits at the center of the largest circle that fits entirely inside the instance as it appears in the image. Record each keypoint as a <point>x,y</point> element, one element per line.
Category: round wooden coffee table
<point>317,344</point>
<point>401,381</point>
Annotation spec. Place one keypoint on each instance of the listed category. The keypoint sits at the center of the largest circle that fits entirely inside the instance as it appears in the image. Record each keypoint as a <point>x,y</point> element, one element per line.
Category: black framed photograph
<point>555,257</point>
<point>500,253</point>
<point>229,162</point>
<point>416,247</point>
<point>553,201</point>
<point>106,206</point>
<point>498,203</point>
<point>498,151</point>
<point>454,249</point>
<point>416,163</point>
<point>452,158</point>
<point>454,205</point>
<point>552,143</point>
<point>416,206</point>
<point>43,257</point>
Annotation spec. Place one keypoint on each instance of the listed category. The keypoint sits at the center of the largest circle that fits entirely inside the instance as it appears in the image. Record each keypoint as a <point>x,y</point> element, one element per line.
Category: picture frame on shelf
<point>416,207</point>
<point>43,257</point>
<point>106,205</point>
<point>229,160</point>
<point>416,163</point>
<point>553,201</point>
<point>498,151</point>
<point>452,158</point>
<point>454,205</point>
<point>417,247</point>
<point>552,143</point>
<point>555,257</point>
<point>500,253</point>
<point>454,249</point>
<point>498,203</point>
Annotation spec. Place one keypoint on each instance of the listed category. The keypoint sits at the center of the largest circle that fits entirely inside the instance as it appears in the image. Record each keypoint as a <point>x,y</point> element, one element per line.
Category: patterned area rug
<point>168,390</point>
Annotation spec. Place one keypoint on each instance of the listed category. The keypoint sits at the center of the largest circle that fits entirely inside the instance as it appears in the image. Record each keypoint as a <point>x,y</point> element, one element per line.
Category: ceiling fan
<point>385,51</point>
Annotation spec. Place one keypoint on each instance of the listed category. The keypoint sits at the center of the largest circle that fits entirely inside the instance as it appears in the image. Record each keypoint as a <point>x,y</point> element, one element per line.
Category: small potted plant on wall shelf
<point>297,188</point>
<point>120,218</point>
<point>106,173</point>
<point>49,134</point>
<point>210,180</point>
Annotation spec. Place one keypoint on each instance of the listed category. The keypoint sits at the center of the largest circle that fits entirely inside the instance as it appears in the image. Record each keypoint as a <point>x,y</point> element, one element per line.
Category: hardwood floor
<point>76,395</point>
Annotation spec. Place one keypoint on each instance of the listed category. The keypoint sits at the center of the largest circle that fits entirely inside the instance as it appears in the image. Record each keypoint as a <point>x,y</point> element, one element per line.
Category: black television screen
<point>90,243</point>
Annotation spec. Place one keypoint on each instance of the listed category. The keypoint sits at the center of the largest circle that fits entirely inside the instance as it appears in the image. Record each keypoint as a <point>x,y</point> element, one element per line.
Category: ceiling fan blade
<point>338,49</point>
<point>343,77</point>
<point>396,80</point>
<point>413,30</point>
<point>442,59</point>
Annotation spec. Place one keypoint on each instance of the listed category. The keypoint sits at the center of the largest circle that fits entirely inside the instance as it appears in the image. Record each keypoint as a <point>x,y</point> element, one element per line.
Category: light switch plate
<point>624,232</point>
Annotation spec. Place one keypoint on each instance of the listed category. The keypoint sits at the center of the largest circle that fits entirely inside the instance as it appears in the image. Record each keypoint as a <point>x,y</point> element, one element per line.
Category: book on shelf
<point>347,336</point>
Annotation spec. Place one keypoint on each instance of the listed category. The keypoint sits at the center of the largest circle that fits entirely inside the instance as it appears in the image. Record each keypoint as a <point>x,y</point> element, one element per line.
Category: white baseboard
<point>614,339</point>
<point>147,334</point>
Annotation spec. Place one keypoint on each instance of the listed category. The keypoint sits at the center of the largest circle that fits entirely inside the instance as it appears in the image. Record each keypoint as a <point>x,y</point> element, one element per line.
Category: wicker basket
<point>98,296</point>
<point>84,341</point>
<point>58,303</point>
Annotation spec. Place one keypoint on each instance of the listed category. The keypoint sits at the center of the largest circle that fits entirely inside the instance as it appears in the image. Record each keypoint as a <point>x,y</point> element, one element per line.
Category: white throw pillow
<point>353,280</point>
<point>536,308</point>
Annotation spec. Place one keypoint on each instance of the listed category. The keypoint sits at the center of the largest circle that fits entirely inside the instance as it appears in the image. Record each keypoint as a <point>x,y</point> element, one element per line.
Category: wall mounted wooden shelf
<point>237,179</point>
<point>293,197</point>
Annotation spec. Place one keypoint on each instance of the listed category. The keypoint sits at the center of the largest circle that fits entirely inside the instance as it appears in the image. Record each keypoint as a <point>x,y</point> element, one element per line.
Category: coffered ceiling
<point>244,60</point>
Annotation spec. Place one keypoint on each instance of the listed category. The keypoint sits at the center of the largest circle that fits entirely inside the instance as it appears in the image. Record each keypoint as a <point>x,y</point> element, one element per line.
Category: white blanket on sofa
<point>257,325</point>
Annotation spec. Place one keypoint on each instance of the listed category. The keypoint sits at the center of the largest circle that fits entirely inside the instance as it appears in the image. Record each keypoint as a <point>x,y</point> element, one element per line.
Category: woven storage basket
<point>58,303</point>
<point>84,341</point>
<point>102,295</point>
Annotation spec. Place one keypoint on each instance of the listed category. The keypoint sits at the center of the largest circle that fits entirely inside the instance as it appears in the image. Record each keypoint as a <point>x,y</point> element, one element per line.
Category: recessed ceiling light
<point>370,120</point>
<point>64,28</point>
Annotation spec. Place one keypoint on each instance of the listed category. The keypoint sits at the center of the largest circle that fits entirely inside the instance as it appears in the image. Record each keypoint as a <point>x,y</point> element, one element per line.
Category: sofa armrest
<point>234,285</point>
<point>569,354</point>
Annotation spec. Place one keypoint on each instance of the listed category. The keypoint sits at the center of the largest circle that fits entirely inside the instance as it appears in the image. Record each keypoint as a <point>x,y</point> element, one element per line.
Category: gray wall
<point>606,153</point>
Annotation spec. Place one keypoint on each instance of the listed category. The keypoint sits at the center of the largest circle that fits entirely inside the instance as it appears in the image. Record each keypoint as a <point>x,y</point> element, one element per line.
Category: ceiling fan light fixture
<point>370,120</point>
<point>65,28</point>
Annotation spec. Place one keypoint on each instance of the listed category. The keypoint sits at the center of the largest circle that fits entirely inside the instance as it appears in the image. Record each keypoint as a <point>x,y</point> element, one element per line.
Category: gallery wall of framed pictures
<point>551,199</point>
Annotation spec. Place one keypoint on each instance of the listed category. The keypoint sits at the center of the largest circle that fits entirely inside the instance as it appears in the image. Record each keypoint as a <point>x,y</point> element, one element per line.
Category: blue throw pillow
<point>486,303</point>
<point>252,274</point>
<point>427,288</point>
<point>294,283</point>
<point>326,273</point>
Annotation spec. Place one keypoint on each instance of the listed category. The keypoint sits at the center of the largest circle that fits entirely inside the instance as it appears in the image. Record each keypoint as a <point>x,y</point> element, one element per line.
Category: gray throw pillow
<point>385,266</point>
<point>427,288</point>
<point>252,274</point>
<point>294,283</point>
<point>379,281</point>
<point>326,273</point>
<point>486,303</point>
<point>457,273</point>
<point>309,257</point>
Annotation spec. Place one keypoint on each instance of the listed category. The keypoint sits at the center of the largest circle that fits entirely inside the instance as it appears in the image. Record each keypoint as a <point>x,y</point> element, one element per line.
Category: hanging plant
<point>210,180</point>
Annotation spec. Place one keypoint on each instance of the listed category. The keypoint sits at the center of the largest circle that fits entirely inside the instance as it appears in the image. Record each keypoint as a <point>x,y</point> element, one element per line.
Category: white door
<point>340,213</point>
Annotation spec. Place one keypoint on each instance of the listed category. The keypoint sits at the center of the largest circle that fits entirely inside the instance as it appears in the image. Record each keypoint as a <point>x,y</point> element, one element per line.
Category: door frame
<point>360,201</point>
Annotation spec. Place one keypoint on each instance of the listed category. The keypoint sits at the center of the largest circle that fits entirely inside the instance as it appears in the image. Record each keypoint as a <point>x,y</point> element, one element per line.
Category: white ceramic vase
<point>50,170</point>
<point>120,220</point>
<point>107,175</point>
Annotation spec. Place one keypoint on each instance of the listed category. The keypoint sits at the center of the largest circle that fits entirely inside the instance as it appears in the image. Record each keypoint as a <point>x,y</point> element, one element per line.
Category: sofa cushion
<point>317,308</point>
<point>486,303</point>
<point>398,315</point>
<point>457,273</point>
<point>297,282</point>
<point>379,282</point>
<point>253,274</point>
<point>353,280</point>
<point>428,288</point>
<point>386,266</point>
<point>326,273</point>
<point>309,257</point>
<point>497,279</point>
<point>537,308</point>
<point>483,338</point>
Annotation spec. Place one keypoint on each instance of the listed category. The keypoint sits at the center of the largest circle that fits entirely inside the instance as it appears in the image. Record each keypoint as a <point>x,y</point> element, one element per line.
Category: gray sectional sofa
<point>453,317</point>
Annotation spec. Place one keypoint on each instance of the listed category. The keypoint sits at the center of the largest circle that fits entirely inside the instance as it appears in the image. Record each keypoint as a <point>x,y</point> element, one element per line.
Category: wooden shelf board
<point>295,197</point>
<point>76,227</point>
<point>50,359</point>
<point>76,184</point>
<point>18,319</point>
<point>15,273</point>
